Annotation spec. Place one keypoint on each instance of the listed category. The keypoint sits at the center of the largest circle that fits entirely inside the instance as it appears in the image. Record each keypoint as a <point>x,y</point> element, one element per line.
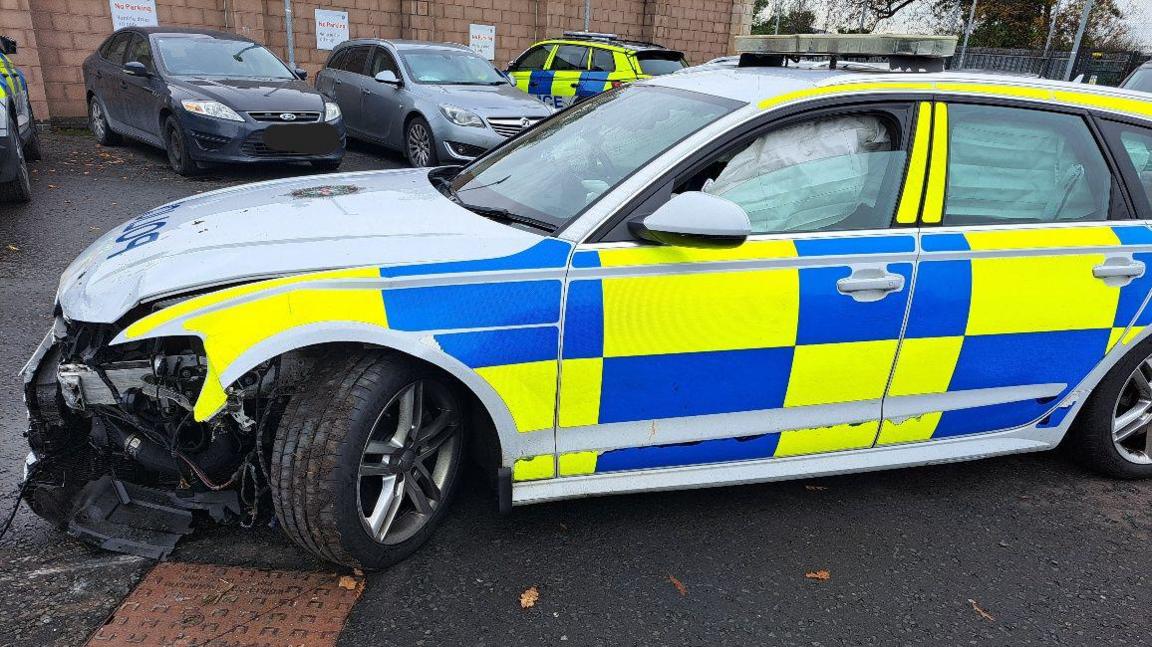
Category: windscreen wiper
<point>498,214</point>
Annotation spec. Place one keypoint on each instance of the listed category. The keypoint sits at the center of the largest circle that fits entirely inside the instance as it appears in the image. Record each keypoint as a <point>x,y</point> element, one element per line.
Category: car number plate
<point>307,139</point>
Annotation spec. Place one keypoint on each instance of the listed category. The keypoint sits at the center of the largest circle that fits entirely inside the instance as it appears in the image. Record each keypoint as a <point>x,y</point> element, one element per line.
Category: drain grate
<point>183,605</point>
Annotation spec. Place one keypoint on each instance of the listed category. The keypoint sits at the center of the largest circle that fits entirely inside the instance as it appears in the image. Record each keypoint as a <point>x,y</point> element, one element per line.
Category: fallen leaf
<point>348,582</point>
<point>529,597</point>
<point>815,488</point>
<point>216,596</point>
<point>983,614</point>
<point>680,588</point>
<point>51,186</point>
<point>13,248</point>
<point>821,575</point>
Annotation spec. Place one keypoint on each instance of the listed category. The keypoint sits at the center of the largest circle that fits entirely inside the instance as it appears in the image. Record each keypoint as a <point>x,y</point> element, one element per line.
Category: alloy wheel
<point>419,144</point>
<point>97,120</point>
<point>1132,417</point>
<point>406,462</point>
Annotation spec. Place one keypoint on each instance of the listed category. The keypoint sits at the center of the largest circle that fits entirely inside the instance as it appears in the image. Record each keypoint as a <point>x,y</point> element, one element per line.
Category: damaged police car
<point>717,277</point>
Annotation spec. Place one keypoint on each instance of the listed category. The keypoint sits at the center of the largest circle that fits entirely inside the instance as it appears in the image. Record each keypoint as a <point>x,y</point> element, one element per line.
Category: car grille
<point>272,115</point>
<point>509,126</point>
<point>254,146</point>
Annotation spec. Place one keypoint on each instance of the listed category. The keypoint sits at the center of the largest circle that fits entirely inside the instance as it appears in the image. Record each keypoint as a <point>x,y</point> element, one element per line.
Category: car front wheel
<point>420,143</point>
<point>1113,432</point>
<point>366,458</point>
<point>176,145</point>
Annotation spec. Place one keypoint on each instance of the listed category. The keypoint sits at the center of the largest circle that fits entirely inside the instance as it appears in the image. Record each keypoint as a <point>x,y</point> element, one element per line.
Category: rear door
<point>108,72</point>
<point>348,81</point>
<point>1031,270</point>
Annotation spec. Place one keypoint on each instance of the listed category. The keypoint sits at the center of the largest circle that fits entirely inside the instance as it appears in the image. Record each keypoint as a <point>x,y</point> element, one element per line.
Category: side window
<point>139,51</point>
<point>603,61</point>
<point>382,60</point>
<point>1135,156</point>
<point>570,57</point>
<point>533,59</point>
<point>357,60</point>
<point>822,174</point>
<point>338,59</point>
<point>1014,165</point>
<point>113,50</point>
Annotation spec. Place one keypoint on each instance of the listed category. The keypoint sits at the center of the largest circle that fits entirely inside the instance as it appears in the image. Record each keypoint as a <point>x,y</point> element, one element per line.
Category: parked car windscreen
<point>211,57</point>
<point>657,63</point>
<point>1140,80</point>
<point>446,67</point>
<point>555,170</point>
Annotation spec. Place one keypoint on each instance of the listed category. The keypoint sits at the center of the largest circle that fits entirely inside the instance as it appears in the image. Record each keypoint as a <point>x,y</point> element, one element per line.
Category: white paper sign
<point>331,28</point>
<point>482,39</point>
<point>133,13</point>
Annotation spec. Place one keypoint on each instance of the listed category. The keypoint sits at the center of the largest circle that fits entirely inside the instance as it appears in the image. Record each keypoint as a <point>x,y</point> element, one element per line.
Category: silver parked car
<point>436,102</point>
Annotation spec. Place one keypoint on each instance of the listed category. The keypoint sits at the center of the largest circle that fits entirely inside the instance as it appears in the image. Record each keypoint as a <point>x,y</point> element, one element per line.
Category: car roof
<point>401,44</point>
<point>753,84</point>
<point>188,32</point>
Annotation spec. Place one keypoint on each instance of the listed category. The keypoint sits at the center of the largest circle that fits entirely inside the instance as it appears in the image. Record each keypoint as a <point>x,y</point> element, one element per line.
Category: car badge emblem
<point>325,191</point>
<point>525,122</point>
<point>287,116</point>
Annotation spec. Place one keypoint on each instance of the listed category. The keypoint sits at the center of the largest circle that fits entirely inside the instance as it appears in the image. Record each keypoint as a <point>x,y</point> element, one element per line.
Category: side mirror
<point>7,45</point>
<point>387,76</point>
<point>135,68</point>
<point>301,73</point>
<point>695,219</point>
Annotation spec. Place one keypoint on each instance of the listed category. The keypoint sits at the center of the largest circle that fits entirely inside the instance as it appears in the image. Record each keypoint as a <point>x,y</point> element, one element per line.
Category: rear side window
<point>533,59</point>
<point>570,57</point>
<point>603,61</point>
<point>1140,80</point>
<point>658,63</point>
<point>1014,165</point>
<point>113,50</point>
<point>1135,157</point>
<point>356,60</point>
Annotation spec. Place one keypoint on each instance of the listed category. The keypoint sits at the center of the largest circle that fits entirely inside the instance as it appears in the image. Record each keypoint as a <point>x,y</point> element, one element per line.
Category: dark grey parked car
<point>436,102</point>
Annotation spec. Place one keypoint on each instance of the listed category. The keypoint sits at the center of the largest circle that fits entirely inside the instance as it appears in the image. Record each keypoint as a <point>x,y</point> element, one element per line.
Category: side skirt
<point>1028,439</point>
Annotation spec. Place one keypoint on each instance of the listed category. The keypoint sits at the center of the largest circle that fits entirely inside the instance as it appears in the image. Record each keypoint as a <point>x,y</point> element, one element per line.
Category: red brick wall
<point>56,35</point>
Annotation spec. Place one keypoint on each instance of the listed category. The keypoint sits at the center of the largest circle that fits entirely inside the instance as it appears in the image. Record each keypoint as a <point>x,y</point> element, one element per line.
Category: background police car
<point>19,142</point>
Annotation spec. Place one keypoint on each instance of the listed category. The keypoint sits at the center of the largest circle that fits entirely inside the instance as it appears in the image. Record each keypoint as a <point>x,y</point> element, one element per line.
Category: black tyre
<point>32,150</point>
<point>366,459</point>
<point>326,166</point>
<point>19,188</point>
<point>1113,432</point>
<point>98,124</point>
<point>176,145</point>
<point>420,143</point>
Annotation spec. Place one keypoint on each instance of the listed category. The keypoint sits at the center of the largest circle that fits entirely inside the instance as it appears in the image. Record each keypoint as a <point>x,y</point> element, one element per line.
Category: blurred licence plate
<point>308,139</point>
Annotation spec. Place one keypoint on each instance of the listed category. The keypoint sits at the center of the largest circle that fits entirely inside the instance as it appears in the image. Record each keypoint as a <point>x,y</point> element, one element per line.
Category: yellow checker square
<point>826,439</point>
<point>1022,294</point>
<point>685,313</point>
<point>911,430</point>
<point>529,391</point>
<point>925,365</point>
<point>580,382</point>
<point>845,372</point>
<point>1042,238</point>
<point>534,468</point>
<point>577,463</point>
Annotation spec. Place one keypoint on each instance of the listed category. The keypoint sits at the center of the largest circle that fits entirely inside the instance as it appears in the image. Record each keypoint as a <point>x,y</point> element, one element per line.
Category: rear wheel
<point>176,145</point>
<point>1113,433</point>
<point>366,459</point>
<point>98,123</point>
<point>19,188</point>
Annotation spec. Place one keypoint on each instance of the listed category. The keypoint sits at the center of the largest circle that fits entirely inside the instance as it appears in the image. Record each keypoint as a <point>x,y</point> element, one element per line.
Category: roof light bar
<point>849,45</point>
<point>592,35</point>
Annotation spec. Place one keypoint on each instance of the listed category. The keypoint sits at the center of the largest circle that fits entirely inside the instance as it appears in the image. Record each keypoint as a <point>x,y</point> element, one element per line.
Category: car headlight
<point>331,111</point>
<point>211,109</point>
<point>462,117</point>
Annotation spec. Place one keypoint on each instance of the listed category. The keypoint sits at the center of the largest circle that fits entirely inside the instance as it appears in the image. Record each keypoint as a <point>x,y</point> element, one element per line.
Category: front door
<point>528,73</point>
<point>1029,273</point>
<point>379,102</point>
<point>782,346</point>
<point>139,92</point>
<point>567,66</point>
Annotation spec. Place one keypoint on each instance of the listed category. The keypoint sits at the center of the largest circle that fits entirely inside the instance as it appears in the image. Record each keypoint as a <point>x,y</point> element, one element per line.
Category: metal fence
<point>1101,68</point>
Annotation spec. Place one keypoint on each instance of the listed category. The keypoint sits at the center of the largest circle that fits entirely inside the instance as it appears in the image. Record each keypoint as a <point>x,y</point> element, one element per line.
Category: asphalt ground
<point>1026,550</point>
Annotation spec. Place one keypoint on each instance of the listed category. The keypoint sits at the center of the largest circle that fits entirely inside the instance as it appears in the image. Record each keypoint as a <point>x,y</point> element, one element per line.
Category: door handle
<point>365,91</point>
<point>870,284</point>
<point>575,85</point>
<point>1118,271</point>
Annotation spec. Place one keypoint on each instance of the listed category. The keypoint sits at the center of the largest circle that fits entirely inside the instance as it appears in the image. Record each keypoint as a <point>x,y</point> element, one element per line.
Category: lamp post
<point>967,35</point>
<point>1088,4</point>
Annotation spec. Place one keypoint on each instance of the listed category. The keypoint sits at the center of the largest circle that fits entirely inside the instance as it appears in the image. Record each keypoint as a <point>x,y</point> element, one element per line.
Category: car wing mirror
<point>301,73</point>
<point>387,76</point>
<point>135,68</point>
<point>7,45</point>
<point>695,219</point>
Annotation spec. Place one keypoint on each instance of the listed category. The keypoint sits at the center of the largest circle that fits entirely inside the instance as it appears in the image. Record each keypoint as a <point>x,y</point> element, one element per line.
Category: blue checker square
<point>940,299</point>
<point>709,451</point>
<point>584,320</point>
<point>828,317</point>
<point>500,347</point>
<point>475,305</point>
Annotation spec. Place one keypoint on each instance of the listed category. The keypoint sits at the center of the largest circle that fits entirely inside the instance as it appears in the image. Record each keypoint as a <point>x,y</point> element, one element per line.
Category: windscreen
<point>657,63</point>
<point>558,168</point>
<point>211,57</point>
<point>446,67</point>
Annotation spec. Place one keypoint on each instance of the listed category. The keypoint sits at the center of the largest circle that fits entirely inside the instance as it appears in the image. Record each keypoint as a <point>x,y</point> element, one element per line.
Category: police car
<point>19,142</point>
<point>712,278</point>
<point>563,71</point>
